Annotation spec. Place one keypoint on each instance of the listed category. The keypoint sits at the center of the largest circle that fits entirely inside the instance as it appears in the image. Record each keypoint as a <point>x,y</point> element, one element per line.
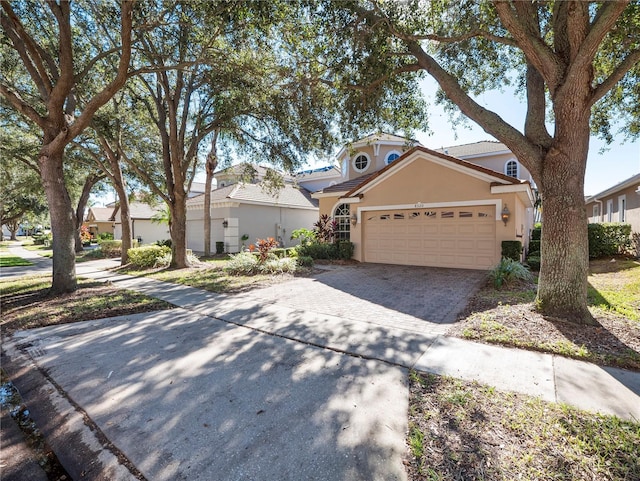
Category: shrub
<point>319,251</point>
<point>280,252</point>
<point>243,263</point>
<point>608,239</point>
<point>265,246</point>
<point>149,256</point>
<point>165,243</point>
<point>278,266</point>
<point>305,236</point>
<point>105,236</point>
<point>345,250</point>
<point>111,248</point>
<point>511,249</point>
<point>533,262</point>
<point>508,271</point>
<point>219,247</point>
<point>534,247</point>
<point>85,235</point>
<point>325,229</point>
<point>305,261</point>
<point>536,233</point>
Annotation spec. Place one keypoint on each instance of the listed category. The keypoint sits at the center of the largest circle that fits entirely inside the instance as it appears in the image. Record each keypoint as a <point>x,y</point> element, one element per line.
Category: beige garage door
<point>462,237</point>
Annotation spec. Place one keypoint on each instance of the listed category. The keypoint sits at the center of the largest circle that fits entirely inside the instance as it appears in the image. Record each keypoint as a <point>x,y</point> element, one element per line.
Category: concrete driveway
<point>286,382</point>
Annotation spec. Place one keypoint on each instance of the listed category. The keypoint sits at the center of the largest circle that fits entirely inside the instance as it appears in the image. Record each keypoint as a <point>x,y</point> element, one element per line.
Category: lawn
<point>508,317</point>
<point>8,260</point>
<point>468,431</point>
<point>26,303</point>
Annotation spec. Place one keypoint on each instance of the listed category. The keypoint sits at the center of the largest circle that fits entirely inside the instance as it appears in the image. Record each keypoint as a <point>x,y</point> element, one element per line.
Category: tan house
<point>620,203</point>
<point>143,226</point>
<point>414,206</point>
<point>98,221</point>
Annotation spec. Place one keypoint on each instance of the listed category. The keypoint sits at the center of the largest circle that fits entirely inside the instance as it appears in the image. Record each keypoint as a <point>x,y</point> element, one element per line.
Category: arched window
<point>361,162</point>
<point>511,168</point>
<point>391,156</point>
<point>342,216</point>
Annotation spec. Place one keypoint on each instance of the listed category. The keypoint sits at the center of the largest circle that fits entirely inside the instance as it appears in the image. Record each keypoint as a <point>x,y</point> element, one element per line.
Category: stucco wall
<point>149,231</point>
<point>499,162</point>
<point>632,208</point>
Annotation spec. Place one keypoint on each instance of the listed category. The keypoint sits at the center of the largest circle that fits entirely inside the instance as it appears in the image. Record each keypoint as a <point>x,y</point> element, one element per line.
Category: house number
<point>419,205</point>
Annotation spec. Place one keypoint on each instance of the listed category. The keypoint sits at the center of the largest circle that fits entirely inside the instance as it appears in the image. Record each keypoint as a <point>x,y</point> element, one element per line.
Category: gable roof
<point>139,210</point>
<point>100,214</point>
<point>287,196</point>
<point>474,149</point>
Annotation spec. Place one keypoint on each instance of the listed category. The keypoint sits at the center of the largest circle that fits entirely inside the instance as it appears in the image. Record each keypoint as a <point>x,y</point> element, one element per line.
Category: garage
<point>459,237</point>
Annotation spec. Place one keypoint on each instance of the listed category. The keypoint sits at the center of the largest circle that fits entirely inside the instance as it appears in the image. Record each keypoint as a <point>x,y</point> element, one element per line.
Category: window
<point>391,156</point>
<point>342,216</point>
<point>361,162</point>
<point>398,216</point>
<point>447,214</point>
<point>430,213</point>
<point>610,210</point>
<point>511,168</point>
<point>464,214</point>
<point>345,168</point>
<point>622,208</point>
<point>596,212</point>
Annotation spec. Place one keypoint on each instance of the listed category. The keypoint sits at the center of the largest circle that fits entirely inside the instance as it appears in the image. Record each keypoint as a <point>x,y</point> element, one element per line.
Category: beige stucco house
<point>620,203</point>
<point>405,204</point>
<point>98,220</point>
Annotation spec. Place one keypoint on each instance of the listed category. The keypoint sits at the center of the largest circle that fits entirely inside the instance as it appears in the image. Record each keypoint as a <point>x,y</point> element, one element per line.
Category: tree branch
<point>21,106</point>
<point>607,84</point>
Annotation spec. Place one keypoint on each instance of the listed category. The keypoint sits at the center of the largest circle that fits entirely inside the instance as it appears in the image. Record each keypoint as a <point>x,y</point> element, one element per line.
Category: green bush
<point>511,249</point>
<point>105,236</point>
<point>219,247</point>
<point>533,262</point>
<point>165,242</point>
<point>149,256</point>
<point>608,239</point>
<point>345,250</point>
<point>534,247</point>
<point>244,263</point>
<point>278,266</point>
<point>508,271</point>
<point>317,250</point>
<point>536,233</point>
<point>111,248</point>
<point>305,261</point>
<point>279,252</point>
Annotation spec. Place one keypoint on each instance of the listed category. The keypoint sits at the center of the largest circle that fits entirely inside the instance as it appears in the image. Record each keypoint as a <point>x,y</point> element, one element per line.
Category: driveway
<point>300,380</point>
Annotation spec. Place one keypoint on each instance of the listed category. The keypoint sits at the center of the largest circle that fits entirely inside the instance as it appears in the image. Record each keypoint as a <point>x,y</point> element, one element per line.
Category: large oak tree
<point>45,65</point>
<point>575,62</point>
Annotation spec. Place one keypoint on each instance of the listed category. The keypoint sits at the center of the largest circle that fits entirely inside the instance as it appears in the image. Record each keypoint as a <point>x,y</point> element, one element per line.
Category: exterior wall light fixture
<point>505,214</point>
<point>354,219</point>
<point>225,224</point>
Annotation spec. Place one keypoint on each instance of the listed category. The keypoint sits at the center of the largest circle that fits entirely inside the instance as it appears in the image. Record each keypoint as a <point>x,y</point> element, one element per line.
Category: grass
<point>26,303</point>
<point>465,430</point>
<point>40,249</point>
<point>508,317</point>
<point>8,260</point>
<point>209,275</point>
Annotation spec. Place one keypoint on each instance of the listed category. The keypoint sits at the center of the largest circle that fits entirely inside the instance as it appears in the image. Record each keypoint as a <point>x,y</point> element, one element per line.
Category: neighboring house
<point>98,220</point>
<point>143,227</point>
<point>249,209</point>
<point>415,206</point>
<point>245,173</point>
<point>317,179</point>
<point>620,203</point>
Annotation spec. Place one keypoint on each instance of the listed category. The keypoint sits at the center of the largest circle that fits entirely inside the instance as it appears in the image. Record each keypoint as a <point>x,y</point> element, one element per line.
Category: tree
<point>47,65</point>
<point>575,62</point>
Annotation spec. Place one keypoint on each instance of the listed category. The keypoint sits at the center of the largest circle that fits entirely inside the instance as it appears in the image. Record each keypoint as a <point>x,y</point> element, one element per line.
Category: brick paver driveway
<point>416,298</point>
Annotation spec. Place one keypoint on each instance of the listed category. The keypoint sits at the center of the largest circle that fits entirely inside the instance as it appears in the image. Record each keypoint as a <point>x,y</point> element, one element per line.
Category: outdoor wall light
<point>505,214</point>
<point>225,224</point>
<point>354,219</point>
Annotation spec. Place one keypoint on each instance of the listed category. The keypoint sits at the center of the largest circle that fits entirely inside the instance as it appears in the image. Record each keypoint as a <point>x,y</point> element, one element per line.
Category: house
<point>143,226</point>
<point>620,203</point>
<point>401,203</point>
<point>98,220</point>
<point>249,209</point>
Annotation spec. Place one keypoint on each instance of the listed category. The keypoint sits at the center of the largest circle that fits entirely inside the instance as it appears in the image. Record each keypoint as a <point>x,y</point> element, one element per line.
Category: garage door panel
<point>452,237</point>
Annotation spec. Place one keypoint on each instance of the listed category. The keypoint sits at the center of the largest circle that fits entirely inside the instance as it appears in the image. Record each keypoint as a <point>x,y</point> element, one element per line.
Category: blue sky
<point>619,162</point>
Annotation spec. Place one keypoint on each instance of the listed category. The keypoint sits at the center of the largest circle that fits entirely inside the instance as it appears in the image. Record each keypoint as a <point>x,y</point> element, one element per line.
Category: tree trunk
<point>211,164</point>
<point>63,221</point>
<point>13,229</point>
<point>125,220</point>
<point>178,229</point>
<point>562,286</point>
<point>89,182</point>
